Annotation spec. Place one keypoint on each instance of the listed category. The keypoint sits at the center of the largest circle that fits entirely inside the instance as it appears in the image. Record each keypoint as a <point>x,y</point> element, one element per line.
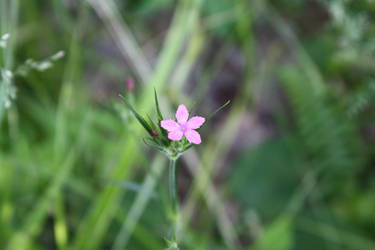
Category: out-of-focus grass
<point>69,151</point>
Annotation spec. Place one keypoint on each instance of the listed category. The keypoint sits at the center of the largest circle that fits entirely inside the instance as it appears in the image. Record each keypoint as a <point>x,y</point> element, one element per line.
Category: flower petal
<point>195,122</point>
<point>175,135</point>
<point>193,136</point>
<point>182,113</point>
<point>169,125</point>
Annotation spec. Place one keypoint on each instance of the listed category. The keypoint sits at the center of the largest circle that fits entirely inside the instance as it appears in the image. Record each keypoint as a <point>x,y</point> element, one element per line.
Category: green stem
<point>173,198</point>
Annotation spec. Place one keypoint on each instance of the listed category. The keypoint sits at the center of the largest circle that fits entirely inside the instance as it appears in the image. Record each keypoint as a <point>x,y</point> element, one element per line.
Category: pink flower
<point>183,126</point>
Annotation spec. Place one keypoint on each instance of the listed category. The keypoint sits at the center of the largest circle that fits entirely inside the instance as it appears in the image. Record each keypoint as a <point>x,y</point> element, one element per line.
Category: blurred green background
<point>288,165</point>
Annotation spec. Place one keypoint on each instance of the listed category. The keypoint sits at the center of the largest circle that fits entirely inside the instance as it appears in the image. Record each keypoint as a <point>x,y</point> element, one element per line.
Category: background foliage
<point>289,165</point>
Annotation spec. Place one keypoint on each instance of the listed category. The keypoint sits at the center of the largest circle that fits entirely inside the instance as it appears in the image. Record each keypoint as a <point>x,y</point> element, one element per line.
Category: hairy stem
<point>173,198</point>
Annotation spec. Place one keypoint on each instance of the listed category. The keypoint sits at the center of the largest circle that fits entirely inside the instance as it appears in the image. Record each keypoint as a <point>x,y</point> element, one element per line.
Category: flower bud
<point>129,85</point>
<point>154,133</point>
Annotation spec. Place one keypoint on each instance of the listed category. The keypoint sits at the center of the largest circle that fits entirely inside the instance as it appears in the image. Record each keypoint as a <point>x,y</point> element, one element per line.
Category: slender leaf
<point>140,119</point>
<point>217,110</point>
<point>160,116</point>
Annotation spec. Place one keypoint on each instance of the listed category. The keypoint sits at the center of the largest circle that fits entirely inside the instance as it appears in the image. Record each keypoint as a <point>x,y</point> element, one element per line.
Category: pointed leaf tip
<point>140,119</point>
<point>160,116</point>
<point>217,110</point>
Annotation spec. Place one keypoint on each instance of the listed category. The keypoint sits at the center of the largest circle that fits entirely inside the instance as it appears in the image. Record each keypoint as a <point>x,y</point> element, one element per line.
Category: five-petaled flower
<point>183,126</point>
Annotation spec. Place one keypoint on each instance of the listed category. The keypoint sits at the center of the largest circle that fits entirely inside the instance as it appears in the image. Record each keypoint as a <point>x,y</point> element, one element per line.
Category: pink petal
<point>193,136</point>
<point>175,135</point>
<point>169,125</point>
<point>182,114</point>
<point>195,122</point>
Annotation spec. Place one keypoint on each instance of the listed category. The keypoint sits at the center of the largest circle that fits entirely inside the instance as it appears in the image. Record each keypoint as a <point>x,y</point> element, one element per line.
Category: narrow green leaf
<point>151,122</point>
<point>140,119</point>
<point>217,110</point>
<point>149,142</point>
<point>187,147</point>
<point>160,116</point>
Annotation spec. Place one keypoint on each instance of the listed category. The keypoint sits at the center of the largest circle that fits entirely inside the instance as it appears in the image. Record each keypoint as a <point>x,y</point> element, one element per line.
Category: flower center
<point>183,127</point>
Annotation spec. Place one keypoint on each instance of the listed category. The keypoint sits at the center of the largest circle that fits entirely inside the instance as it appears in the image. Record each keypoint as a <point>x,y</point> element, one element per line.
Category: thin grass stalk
<point>9,16</point>
<point>123,37</point>
<point>14,13</point>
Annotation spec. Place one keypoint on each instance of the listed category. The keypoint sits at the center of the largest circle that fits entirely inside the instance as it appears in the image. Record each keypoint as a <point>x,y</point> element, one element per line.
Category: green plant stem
<point>173,197</point>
